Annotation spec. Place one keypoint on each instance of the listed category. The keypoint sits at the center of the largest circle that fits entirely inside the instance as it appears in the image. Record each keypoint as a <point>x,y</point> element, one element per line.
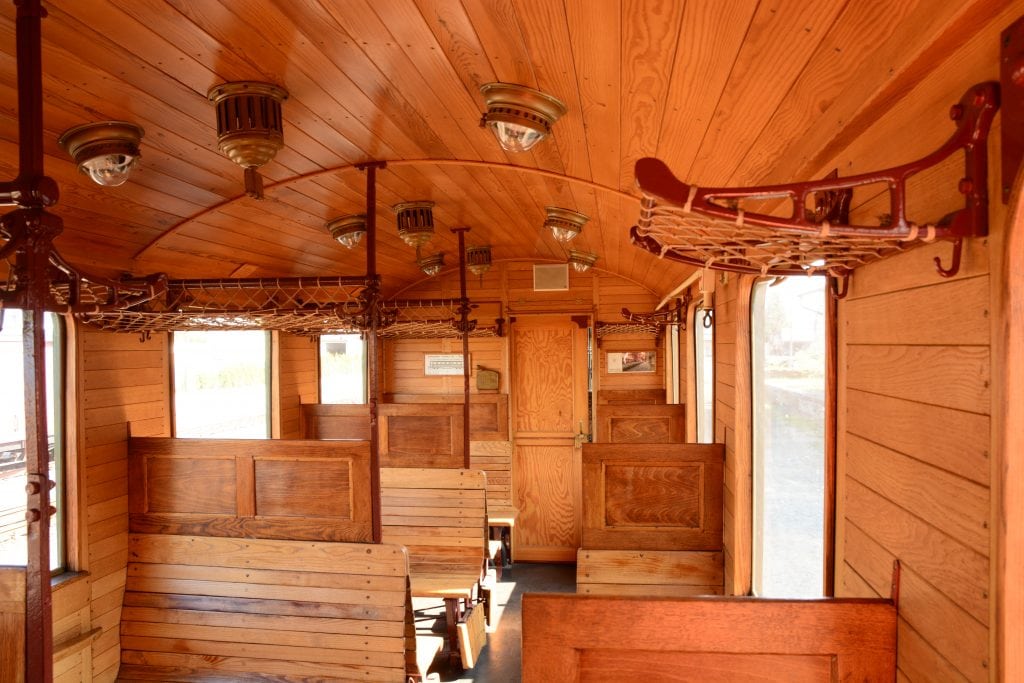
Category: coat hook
<point>955,268</point>
<point>835,291</point>
<point>708,318</point>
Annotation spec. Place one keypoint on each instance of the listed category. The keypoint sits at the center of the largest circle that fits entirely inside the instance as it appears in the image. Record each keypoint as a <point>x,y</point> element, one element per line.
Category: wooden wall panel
<point>488,413</point>
<point>297,382</point>
<point>12,624</point>
<point>641,423</point>
<point>120,380</point>
<point>652,497</point>
<point>251,488</point>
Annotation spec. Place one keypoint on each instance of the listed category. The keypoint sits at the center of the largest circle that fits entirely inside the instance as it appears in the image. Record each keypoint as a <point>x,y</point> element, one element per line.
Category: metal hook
<point>144,336</point>
<point>833,287</point>
<point>708,318</point>
<point>955,268</point>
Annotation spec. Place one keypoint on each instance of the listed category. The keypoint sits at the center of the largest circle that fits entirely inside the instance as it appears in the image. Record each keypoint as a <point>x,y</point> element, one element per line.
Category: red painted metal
<point>1011,80</point>
<point>954,268</point>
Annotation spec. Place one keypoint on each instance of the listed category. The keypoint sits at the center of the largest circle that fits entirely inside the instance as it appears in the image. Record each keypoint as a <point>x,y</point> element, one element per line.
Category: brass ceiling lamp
<point>581,261</point>
<point>431,265</point>
<point>478,260</point>
<point>347,230</point>
<point>105,151</point>
<point>564,224</point>
<point>250,130</point>
<point>415,222</point>
<point>519,117</point>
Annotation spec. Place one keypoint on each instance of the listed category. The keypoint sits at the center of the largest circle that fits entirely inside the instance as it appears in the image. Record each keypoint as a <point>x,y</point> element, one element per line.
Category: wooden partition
<point>601,639</point>
<point>495,459</point>
<point>655,497</point>
<point>639,423</point>
<point>255,488</point>
<point>488,413</point>
<point>223,609</point>
<point>12,624</point>
<point>336,421</point>
<point>411,434</point>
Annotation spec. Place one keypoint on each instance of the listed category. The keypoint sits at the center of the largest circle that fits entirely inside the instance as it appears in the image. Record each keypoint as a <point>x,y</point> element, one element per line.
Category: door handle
<point>581,438</point>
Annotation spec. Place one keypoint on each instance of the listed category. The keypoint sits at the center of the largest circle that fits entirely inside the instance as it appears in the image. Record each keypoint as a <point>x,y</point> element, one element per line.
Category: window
<point>704,366</point>
<point>13,544</point>
<point>342,368</point>
<point>222,384</point>
<point>788,364</point>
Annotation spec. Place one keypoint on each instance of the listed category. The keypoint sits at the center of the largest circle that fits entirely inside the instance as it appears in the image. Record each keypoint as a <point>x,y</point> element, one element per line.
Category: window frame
<point>697,342</point>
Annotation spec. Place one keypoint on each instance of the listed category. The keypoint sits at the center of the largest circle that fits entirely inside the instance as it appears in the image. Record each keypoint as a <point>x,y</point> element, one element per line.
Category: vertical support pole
<point>372,301</point>
<point>831,436</point>
<point>464,328</point>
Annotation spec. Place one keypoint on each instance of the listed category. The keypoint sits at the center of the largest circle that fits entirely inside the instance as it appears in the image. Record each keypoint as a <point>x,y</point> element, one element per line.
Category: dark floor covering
<point>500,659</point>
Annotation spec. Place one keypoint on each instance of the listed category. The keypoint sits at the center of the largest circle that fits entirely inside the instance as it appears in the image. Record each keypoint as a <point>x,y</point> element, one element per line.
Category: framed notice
<point>631,361</point>
<point>442,364</point>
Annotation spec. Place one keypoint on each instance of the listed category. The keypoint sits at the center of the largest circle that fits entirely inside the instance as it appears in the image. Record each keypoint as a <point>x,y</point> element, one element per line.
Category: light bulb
<point>514,137</point>
<point>109,170</point>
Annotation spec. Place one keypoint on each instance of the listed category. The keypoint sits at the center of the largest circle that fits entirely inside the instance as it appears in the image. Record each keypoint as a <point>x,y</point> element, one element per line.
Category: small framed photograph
<point>631,361</point>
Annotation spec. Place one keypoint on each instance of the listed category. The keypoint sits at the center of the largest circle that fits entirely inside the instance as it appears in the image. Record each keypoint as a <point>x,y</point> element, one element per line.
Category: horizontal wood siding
<point>121,380</point>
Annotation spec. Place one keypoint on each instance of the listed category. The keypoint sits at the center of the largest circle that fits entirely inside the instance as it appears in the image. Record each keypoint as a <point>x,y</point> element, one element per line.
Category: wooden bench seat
<point>495,459</point>
<point>202,608</point>
<point>439,515</point>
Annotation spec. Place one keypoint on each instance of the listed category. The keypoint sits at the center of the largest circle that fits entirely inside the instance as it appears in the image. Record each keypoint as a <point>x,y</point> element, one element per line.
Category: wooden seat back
<point>439,515</point>
<point>488,413</point>
<point>675,573</point>
<point>259,609</point>
<point>495,459</point>
<point>602,638</point>
<point>640,423</point>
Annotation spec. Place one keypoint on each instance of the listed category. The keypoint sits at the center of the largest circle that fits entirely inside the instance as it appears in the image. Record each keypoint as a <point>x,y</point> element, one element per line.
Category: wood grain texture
<point>631,423</point>
<point>488,413</point>
<point>345,609</point>
<point>561,633</point>
<point>546,495</point>
<point>290,490</point>
<point>649,572</point>
<point>652,497</point>
<point>543,384</point>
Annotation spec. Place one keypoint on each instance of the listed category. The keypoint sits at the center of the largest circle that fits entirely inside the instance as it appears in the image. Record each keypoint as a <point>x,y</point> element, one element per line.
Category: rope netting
<point>678,233</point>
<point>603,329</point>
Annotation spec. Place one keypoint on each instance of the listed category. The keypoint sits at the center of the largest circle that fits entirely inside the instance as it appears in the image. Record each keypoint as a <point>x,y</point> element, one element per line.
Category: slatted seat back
<point>200,608</point>
<point>495,459</point>
<point>439,515</point>
<point>674,573</point>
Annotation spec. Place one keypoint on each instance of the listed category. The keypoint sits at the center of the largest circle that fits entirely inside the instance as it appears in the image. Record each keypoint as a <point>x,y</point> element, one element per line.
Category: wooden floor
<point>500,660</point>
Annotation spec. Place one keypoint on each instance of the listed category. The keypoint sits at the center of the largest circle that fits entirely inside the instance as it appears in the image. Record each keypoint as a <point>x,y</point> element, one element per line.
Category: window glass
<point>788,364</point>
<point>342,368</point>
<point>222,384</point>
<point>704,352</point>
<point>13,543</point>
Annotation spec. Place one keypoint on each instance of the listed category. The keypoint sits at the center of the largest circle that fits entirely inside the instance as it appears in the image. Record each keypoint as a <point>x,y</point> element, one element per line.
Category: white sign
<point>442,364</point>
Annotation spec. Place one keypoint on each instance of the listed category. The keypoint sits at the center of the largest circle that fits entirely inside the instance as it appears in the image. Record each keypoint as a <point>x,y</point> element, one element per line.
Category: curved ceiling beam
<point>399,162</point>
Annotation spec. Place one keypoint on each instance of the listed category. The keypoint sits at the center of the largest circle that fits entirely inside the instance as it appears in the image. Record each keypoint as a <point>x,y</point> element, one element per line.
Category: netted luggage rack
<point>306,306</point>
<point>708,227</point>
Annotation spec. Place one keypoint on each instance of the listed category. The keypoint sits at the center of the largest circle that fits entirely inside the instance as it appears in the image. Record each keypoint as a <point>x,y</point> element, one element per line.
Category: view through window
<point>13,544</point>
<point>704,357</point>
<point>788,363</point>
<point>342,368</point>
<point>222,384</point>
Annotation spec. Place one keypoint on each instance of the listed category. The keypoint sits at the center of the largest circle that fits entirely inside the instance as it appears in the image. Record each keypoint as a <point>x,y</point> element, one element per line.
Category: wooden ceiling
<point>726,92</point>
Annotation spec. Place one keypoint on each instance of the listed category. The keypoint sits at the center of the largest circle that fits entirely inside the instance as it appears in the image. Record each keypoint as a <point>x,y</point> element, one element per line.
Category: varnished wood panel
<point>335,421</point>
<point>652,497</point>
<point>421,435</point>
<point>649,572</point>
<point>12,624</point>
<point>630,423</point>
<point>488,413</point>
<point>543,384</point>
<point>317,490</point>
<point>495,459</point>
<point>546,495</point>
<point>576,637</point>
<point>630,396</point>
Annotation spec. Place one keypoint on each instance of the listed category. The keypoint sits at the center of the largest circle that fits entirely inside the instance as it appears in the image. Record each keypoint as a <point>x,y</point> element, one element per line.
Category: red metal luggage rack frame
<point>704,226</point>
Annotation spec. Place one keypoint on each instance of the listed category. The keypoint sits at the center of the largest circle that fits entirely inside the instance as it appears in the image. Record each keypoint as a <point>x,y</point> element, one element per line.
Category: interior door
<point>549,391</point>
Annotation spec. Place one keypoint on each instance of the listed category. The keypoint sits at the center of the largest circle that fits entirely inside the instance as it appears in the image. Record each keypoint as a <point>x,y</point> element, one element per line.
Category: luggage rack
<point>707,227</point>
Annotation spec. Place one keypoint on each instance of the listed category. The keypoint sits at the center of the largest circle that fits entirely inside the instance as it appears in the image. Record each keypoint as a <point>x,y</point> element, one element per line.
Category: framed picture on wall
<point>631,361</point>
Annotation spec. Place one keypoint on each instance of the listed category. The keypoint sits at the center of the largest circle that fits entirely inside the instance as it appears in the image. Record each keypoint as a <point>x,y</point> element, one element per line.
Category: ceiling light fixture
<point>348,230</point>
<point>431,265</point>
<point>519,117</point>
<point>415,222</point>
<point>564,224</point>
<point>105,151</point>
<point>581,261</point>
<point>478,259</point>
<point>249,126</point>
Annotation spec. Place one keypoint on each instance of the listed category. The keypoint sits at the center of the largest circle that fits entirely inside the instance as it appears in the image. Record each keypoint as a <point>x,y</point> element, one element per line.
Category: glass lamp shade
<point>478,259</point>
<point>348,230</point>
<point>563,234</point>
<point>415,222</point>
<point>109,170</point>
<point>564,224</point>
<point>514,137</point>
